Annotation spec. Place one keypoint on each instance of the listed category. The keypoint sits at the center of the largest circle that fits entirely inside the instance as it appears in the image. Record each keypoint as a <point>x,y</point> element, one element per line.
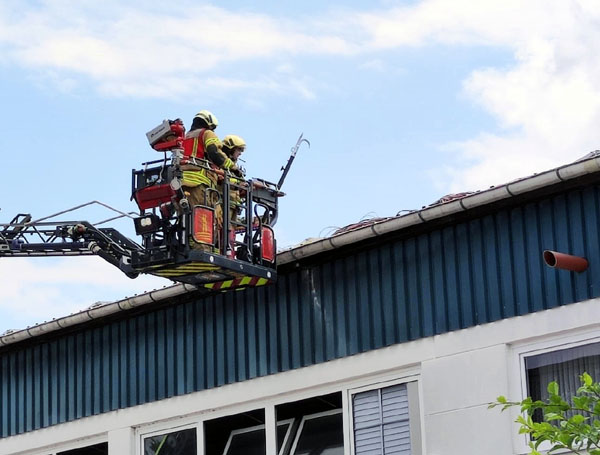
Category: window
<point>237,434</point>
<point>320,434</point>
<point>381,421</point>
<point>563,366</point>
<point>181,442</point>
<point>251,441</point>
<point>316,426</point>
<point>97,449</point>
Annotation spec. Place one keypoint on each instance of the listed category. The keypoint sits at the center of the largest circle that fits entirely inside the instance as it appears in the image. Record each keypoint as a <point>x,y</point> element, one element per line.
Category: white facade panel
<point>454,375</point>
<point>464,380</point>
<point>469,431</point>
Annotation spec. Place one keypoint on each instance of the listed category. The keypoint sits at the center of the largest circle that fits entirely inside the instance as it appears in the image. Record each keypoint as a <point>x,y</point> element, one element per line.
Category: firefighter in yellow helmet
<point>233,146</point>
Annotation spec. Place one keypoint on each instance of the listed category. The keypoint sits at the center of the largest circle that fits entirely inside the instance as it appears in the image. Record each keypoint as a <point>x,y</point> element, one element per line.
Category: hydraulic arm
<point>24,238</point>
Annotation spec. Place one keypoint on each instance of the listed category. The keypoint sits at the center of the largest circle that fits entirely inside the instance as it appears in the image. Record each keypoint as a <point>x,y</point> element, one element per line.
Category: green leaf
<point>553,388</point>
<point>501,399</point>
<point>581,402</point>
<point>577,419</point>
<point>552,416</point>
<point>587,379</point>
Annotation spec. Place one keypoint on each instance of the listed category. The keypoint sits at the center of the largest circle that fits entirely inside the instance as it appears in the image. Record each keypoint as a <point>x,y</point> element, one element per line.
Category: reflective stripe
<point>195,148</point>
<point>238,282</point>
<point>212,140</point>
<point>186,269</point>
<point>195,178</point>
<point>228,163</point>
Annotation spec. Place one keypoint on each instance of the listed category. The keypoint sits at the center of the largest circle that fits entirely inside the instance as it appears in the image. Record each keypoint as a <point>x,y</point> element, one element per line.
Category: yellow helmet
<point>232,141</point>
<point>209,118</point>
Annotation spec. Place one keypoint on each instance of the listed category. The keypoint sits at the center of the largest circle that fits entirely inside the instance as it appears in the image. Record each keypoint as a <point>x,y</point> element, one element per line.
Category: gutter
<point>509,190</point>
<point>96,313</point>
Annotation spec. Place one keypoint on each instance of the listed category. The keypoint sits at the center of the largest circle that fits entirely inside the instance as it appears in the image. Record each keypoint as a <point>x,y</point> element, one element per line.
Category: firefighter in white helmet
<point>200,183</point>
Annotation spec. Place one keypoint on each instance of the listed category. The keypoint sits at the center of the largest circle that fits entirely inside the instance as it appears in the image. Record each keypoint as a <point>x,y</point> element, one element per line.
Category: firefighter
<point>233,147</point>
<point>199,183</point>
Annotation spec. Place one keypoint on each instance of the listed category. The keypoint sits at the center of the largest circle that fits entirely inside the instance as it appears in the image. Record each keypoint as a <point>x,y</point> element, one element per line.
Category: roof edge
<point>481,198</point>
<point>96,313</point>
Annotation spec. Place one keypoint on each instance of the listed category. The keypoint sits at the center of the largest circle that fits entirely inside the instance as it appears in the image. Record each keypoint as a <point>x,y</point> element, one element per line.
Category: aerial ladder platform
<point>178,242</point>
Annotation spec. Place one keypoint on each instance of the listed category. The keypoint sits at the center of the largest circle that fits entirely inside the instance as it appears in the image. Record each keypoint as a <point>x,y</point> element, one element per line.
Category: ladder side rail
<point>224,247</point>
<point>249,222</point>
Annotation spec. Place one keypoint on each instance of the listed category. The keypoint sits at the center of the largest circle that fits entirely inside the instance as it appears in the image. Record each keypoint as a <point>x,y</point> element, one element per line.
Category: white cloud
<point>134,50</point>
<point>546,103</point>
<point>37,290</point>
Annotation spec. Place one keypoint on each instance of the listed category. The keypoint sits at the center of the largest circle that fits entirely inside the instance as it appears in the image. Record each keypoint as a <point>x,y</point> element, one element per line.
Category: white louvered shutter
<point>381,422</point>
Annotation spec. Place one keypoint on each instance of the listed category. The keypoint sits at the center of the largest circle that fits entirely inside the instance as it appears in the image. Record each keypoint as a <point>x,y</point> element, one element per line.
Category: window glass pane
<point>176,443</point>
<point>248,443</point>
<point>563,366</point>
<point>236,434</point>
<point>96,449</point>
<point>292,413</point>
<point>321,436</point>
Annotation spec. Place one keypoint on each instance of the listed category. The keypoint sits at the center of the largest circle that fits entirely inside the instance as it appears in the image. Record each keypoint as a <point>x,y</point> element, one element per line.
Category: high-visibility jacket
<point>200,148</point>
<point>195,146</point>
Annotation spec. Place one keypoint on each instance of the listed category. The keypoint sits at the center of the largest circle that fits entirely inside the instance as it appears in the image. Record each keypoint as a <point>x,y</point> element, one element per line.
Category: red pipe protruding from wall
<point>565,261</point>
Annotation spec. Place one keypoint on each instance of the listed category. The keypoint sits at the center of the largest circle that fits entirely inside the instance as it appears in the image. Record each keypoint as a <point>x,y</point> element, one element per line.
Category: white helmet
<point>209,118</point>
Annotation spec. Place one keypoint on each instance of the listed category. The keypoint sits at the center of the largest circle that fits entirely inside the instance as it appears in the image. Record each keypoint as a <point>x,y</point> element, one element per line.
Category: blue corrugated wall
<point>454,277</point>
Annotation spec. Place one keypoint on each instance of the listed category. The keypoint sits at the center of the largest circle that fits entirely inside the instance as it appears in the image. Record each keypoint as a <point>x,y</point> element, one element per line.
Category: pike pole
<point>286,168</point>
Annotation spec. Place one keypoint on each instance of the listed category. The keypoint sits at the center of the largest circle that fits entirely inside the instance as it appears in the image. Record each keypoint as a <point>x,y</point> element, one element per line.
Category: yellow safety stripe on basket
<point>238,282</point>
<point>195,268</point>
<point>245,280</point>
<point>186,269</point>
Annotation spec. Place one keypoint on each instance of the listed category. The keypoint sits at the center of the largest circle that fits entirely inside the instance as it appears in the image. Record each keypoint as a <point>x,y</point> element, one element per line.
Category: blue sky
<point>403,102</point>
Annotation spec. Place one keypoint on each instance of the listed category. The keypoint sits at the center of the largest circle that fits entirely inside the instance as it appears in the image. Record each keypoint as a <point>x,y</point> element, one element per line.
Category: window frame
<point>259,427</point>
<point>166,428</point>
<point>518,373</point>
<point>79,444</point>
<point>311,417</point>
